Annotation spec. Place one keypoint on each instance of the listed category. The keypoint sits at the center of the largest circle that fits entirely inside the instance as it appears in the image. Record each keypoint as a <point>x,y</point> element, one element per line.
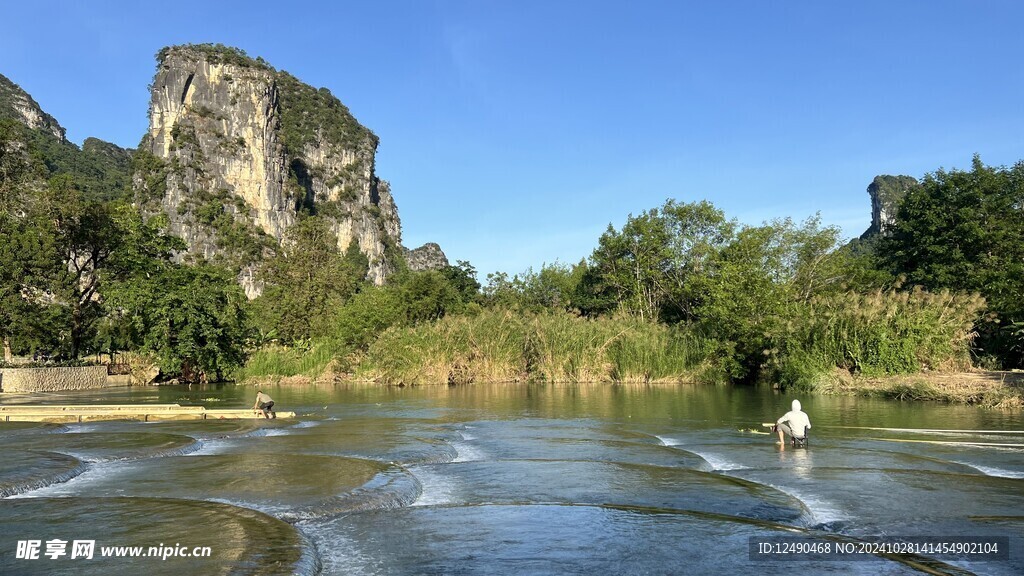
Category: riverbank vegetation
<point>677,293</point>
<point>992,389</point>
<point>683,293</point>
<point>499,345</point>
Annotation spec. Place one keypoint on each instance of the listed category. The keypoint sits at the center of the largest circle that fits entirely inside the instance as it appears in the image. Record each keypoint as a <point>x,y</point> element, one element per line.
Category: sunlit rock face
<point>16,104</point>
<point>238,151</point>
<point>886,194</point>
<point>426,257</point>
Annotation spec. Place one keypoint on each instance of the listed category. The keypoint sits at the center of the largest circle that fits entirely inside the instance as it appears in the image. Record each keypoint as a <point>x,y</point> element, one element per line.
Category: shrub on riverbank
<point>499,345</point>
<point>876,334</point>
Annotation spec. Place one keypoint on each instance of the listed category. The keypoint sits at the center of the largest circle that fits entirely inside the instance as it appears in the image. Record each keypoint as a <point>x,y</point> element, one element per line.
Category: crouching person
<point>264,404</point>
<point>794,424</point>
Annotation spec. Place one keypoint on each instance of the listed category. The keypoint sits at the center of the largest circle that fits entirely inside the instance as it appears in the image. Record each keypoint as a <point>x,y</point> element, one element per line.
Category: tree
<point>192,318</point>
<point>555,287</point>
<point>429,295</point>
<point>648,265</point>
<point>27,262</point>
<point>23,237</point>
<point>358,322</point>
<point>462,277</point>
<point>307,280</point>
<point>86,238</point>
<point>963,231</point>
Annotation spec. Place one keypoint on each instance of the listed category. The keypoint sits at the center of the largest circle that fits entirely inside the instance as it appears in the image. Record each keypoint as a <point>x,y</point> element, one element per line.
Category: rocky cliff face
<point>426,257</point>
<point>100,169</point>
<point>237,151</point>
<point>16,104</point>
<point>886,193</point>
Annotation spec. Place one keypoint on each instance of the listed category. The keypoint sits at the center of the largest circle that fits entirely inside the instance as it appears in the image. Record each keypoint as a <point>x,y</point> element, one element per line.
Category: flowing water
<point>508,479</point>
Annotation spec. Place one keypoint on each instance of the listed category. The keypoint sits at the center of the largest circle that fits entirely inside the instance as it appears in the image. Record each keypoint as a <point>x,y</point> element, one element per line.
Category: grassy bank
<point>503,346</point>
<point>875,344</point>
<point>314,360</point>
<point>982,388</point>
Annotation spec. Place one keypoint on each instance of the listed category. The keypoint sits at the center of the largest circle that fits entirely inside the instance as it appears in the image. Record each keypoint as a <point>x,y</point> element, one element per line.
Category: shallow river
<point>514,479</point>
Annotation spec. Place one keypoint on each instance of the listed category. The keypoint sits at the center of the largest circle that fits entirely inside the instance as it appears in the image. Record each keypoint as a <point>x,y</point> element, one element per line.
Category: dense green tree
<point>27,262</point>
<point>86,238</point>
<point>24,240</point>
<point>963,230</point>
<point>191,318</point>
<point>57,241</point>
<point>649,265</point>
<point>306,281</point>
<point>555,286</point>
<point>407,299</point>
<point>429,295</point>
<point>360,320</point>
<point>686,263</point>
<point>462,277</point>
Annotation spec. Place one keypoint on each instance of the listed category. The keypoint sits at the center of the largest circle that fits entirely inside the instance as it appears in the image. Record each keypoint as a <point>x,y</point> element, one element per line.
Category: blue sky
<point>514,132</point>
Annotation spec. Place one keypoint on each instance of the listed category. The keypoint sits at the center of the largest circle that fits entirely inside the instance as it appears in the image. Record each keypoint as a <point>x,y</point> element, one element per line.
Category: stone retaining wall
<point>52,379</point>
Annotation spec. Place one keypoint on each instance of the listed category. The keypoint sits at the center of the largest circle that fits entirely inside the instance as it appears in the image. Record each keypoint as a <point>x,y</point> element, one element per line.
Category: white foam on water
<point>717,462</point>
<point>436,488</point>
<point>77,427</point>
<point>276,432</point>
<point>338,553</point>
<point>993,471</point>
<point>207,447</point>
<point>306,424</point>
<point>467,452</point>
<point>822,511</point>
<point>96,474</point>
<point>665,441</point>
<point>265,507</point>
<point>466,436</point>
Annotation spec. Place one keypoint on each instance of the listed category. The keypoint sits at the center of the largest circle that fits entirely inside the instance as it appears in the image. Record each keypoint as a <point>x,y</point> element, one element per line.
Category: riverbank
<point>502,346</point>
<point>992,389</point>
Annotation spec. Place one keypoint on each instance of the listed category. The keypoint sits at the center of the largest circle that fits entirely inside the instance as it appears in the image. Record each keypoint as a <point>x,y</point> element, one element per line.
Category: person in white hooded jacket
<point>794,423</point>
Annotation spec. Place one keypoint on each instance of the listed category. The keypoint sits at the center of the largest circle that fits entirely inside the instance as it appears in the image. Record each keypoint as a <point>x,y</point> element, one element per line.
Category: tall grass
<point>876,334</point>
<point>497,346</point>
<point>311,359</point>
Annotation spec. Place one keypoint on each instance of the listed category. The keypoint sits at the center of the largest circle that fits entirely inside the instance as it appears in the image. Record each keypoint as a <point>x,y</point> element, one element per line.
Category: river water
<point>512,479</point>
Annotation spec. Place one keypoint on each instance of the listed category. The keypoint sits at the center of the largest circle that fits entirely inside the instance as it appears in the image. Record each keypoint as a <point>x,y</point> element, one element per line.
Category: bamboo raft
<point>139,412</point>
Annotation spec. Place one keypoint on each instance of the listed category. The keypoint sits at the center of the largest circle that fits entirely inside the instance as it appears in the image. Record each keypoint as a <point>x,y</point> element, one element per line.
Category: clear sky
<point>514,132</point>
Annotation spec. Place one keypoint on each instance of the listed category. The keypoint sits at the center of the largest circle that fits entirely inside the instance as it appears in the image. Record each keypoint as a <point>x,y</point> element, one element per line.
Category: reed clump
<point>1003,390</point>
<point>506,346</point>
<point>310,359</point>
<point>885,332</point>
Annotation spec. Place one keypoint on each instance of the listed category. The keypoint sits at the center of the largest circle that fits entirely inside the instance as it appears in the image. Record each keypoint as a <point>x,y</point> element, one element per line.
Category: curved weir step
<point>139,412</point>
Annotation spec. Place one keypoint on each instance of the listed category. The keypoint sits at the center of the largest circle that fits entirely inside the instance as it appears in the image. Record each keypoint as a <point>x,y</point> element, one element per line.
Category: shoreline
<point>989,389</point>
<point>985,388</point>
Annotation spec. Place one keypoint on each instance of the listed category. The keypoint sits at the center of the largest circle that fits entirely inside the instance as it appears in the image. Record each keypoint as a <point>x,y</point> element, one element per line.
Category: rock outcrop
<point>237,151</point>
<point>16,104</point>
<point>886,193</point>
<point>100,169</point>
<point>426,257</point>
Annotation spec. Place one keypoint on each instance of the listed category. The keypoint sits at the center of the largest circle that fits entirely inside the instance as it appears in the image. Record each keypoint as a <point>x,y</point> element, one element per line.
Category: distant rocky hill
<point>16,104</point>
<point>426,257</point>
<point>886,193</point>
<point>100,169</point>
<point>235,154</point>
<point>237,151</point>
